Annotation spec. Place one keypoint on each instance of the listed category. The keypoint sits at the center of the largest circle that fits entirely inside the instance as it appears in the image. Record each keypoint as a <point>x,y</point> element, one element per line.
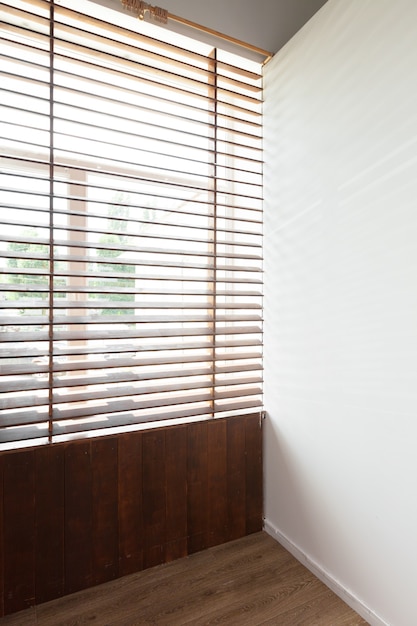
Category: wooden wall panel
<point>105,510</point>
<point>1,540</point>
<point>154,496</point>
<point>80,513</point>
<point>176,493</point>
<point>130,503</point>
<point>254,499</point>
<point>19,531</point>
<point>236,477</point>
<point>78,517</point>
<point>197,482</point>
<point>217,482</point>
<point>49,523</point>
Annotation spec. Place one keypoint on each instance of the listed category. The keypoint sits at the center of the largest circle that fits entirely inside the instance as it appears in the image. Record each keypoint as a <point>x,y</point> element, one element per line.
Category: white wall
<point>341,302</point>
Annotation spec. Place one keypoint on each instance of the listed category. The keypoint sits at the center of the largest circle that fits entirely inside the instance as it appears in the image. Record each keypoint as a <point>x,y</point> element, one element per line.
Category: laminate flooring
<point>247,582</point>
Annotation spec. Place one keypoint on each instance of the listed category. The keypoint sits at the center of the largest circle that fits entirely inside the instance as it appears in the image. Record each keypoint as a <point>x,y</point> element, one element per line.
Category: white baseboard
<point>333,584</point>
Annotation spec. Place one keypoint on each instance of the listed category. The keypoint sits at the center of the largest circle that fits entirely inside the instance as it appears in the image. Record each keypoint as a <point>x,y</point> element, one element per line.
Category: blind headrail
<point>162,16</point>
<point>215,33</point>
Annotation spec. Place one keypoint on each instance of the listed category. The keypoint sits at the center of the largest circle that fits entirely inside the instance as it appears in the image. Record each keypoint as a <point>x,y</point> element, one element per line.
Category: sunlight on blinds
<point>131,227</point>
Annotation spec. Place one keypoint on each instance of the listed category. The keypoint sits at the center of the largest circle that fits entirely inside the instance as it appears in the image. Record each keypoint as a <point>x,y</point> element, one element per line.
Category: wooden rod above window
<point>216,33</point>
<point>141,9</point>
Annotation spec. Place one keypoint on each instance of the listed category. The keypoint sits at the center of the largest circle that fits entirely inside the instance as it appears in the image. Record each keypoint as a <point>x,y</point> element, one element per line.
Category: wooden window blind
<point>131,226</point>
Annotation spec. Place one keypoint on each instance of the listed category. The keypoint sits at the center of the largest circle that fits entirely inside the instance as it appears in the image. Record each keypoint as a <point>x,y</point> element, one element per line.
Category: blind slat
<point>131,239</point>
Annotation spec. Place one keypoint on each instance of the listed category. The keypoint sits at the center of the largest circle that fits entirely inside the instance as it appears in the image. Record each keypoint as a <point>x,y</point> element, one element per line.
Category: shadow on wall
<point>289,486</point>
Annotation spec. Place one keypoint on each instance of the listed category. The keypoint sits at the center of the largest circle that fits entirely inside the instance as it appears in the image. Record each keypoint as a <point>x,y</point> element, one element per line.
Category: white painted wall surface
<point>341,302</point>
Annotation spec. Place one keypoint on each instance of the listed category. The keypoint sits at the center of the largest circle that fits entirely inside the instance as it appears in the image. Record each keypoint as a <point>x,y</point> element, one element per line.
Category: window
<point>131,226</point>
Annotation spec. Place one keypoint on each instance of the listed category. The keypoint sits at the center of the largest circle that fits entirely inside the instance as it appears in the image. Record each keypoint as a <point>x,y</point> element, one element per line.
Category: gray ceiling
<point>267,24</point>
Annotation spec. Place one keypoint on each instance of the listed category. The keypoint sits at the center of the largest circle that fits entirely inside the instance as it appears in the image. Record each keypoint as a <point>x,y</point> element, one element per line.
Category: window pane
<point>131,239</point>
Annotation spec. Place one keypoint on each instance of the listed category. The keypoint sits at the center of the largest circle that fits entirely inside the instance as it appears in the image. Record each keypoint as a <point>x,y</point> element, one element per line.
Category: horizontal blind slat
<point>131,228</point>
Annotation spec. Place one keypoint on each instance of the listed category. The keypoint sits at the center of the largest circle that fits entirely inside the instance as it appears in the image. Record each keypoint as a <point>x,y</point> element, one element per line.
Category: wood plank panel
<point>197,480</point>
<point>1,539</point>
<point>19,531</point>
<point>154,496</point>
<point>130,503</point>
<point>81,513</point>
<point>176,492</point>
<point>254,498</point>
<point>217,482</point>
<point>78,517</point>
<point>104,503</point>
<point>236,477</point>
<point>49,523</point>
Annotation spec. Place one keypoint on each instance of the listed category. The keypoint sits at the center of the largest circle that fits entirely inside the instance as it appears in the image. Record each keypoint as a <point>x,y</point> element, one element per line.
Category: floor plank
<point>247,582</point>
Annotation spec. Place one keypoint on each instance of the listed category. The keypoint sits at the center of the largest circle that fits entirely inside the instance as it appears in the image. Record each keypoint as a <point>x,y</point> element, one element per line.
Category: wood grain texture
<point>19,531</point>
<point>176,493</point>
<point>154,497</point>
<point>130,507</point>
<point>253,455</point>
<point>236,478</point>
<point>85,512</point>
<point>247,582</point>
<point>217,483</point>
<point>1,539</point>
<point>105,510</point>
<point>49,523</point>
<point>197,482</point>
<point>78,517</point>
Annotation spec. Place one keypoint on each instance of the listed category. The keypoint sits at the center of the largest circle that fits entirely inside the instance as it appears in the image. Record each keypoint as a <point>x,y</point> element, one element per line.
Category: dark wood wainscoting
<point>78,514</point>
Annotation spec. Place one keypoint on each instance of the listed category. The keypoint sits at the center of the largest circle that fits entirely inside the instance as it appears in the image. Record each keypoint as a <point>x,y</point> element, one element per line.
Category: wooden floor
<point>247,582</point>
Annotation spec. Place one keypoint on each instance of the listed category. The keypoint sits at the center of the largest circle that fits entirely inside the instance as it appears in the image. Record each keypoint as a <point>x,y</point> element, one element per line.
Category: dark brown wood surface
<point>253,478</point>
<point>247,582</point>
<point>197,481</point>
<point>1,538</point>
<point>77,514</point>
<point>19,531</point>
<point>176,493</point>
<point>130,534</point>
<point>236,478</point>
<point>49,523</point>
<point>105,510</point>
<point>154,497</point>
<point>78,526</point>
